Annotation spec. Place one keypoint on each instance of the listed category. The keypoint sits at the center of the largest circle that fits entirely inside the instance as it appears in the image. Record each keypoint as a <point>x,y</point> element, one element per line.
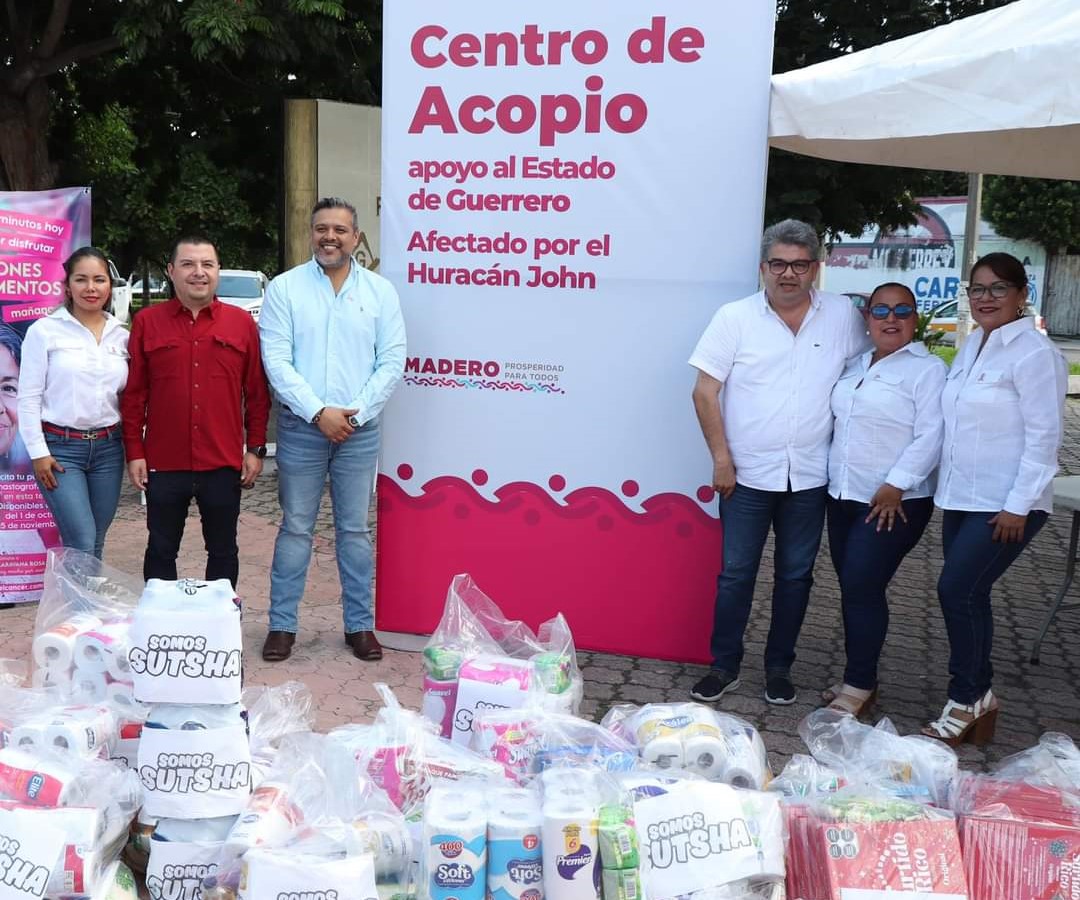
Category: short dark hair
<point>1006,266</point>
<point>11,341</point>
<point>899,287</point>
<point>336,203</point>
<point>190,239</point>
<point>76,257</point>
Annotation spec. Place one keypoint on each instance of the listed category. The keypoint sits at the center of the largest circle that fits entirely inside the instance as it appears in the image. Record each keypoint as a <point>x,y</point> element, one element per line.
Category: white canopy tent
<point>997,93</point>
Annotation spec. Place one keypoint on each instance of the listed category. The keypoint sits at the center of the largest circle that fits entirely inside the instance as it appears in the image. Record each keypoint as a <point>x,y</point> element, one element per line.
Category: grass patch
<point>949,354</point>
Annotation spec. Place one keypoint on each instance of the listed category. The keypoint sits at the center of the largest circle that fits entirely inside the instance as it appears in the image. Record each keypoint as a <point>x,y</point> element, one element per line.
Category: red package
<point>1007,859</point>
<point>867,859</point>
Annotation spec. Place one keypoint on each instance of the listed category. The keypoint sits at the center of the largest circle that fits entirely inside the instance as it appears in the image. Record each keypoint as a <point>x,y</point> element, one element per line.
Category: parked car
<point>159,287</point>
<point>943,318</point>
<point>244,288</point>
<point>121,295</point>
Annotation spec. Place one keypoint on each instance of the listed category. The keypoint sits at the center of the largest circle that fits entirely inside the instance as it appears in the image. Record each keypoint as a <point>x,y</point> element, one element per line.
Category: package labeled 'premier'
<point>194,762</point>
<point>185,643</point>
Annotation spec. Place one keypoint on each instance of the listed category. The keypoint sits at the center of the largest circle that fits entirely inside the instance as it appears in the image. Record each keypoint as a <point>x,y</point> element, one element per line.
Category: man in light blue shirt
<point>333,347</point>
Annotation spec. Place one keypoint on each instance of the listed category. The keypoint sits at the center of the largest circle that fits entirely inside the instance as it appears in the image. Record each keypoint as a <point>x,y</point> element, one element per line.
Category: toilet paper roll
<point>570,840</point>
<point>440,697</point>
<point>568,782</point>
<point>705,754</point>
<point>84,736</point>
<point>515,855</point>
<point>87,687</point>
<point>664,751</point>
<point>455,844</point>
<point>55,648</point>
<point>387,839</point>
<point>120,694</point>
<point>104,649</point>
<point>747,764</point>
<point>60,679</point>
<point>29,736</point>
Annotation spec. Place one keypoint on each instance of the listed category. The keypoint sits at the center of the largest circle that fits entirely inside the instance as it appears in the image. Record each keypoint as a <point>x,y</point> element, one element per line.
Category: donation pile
<point>1020,827</point>
<point>194,761</point>
<point>714,745</point>
<point>478,659</point>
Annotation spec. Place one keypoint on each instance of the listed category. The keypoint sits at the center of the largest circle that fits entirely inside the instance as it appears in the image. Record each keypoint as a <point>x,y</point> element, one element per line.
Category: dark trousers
<point>865,560</point>
<point>797,518</point>
<point>973,563</point>
<point>168,496</point>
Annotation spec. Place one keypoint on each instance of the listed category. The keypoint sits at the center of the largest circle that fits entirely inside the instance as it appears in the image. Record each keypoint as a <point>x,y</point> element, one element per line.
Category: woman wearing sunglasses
<point>1003,406</point>
<point>887,433</point>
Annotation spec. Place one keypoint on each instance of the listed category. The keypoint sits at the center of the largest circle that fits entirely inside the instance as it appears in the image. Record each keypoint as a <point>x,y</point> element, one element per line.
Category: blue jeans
<point>304,459</point>
<point>797,518</point>
<point>973,563</point>
<point>865,560</point>
<point>87,491</point>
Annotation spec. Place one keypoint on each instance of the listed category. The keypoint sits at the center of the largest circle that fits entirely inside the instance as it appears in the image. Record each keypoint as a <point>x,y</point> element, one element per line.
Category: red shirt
<point>196,386</point>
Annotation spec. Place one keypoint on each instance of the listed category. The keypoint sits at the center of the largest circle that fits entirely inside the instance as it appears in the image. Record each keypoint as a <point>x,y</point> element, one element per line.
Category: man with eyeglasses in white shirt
<point>766,366</point>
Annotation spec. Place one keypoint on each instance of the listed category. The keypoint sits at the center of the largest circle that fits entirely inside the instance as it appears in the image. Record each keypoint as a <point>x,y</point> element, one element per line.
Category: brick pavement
<point>913,672</point>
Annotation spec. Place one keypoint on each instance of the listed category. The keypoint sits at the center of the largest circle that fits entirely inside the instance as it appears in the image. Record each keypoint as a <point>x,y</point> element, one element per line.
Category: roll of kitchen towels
<point>30,736</point>
<point>87,687</point>
<point>455,844</point>
<point>55,648</point>
<point>664,752</point>
<point>658,734</point>
<point>515,855</point>
<point>60,679</point>
<point>747,763</point>
<point>105,649</point>
<point>704,748</point>
<point>569,836</point>
<point>440,696</point>
<point>27,778</point>
<point>564,781</point>
<point>84,734</point>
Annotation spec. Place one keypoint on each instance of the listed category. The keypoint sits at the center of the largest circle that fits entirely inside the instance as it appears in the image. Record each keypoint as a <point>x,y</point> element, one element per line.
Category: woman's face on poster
<point>9,395</point>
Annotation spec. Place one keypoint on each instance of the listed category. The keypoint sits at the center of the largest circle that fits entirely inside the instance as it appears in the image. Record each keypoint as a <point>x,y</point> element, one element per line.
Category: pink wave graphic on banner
<point>588,556</point>
<point>424,381</point>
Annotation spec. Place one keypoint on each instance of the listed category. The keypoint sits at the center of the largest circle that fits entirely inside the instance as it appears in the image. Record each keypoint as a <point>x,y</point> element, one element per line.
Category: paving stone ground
<point>1034,699</point>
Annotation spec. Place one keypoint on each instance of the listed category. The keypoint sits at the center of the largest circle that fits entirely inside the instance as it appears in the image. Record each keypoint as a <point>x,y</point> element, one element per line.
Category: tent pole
<point>971,253</point>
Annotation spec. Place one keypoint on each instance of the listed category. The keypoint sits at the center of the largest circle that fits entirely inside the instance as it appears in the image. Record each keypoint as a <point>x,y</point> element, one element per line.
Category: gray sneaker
<point>779,690</point>
<point>714,685</point>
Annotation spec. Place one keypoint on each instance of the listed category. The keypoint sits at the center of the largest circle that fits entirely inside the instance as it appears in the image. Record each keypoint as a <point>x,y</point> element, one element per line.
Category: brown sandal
<point>853,701</point>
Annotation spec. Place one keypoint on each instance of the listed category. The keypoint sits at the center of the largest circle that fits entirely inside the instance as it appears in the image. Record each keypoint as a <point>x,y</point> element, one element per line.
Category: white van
<point>121,295</point>
<point>244,288</point>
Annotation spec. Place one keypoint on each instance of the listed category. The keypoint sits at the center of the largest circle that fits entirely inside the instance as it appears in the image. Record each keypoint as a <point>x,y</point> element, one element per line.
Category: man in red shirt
<point>195,391</point>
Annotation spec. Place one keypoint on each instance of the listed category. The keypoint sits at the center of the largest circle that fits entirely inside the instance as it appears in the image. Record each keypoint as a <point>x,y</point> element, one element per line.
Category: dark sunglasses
<point>901,311</point>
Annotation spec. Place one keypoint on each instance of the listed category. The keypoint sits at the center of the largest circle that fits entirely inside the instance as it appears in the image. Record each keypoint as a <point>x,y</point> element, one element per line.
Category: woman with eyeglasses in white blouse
<point>1003,407</point>
<point>885,448</point>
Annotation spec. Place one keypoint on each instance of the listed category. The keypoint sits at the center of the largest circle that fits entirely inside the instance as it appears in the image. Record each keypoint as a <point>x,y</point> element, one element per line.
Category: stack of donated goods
<point>194,760</point>
<point>477,659</point>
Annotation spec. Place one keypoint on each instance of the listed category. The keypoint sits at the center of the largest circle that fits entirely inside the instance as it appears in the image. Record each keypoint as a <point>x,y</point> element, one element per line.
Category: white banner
<point>569,192</point>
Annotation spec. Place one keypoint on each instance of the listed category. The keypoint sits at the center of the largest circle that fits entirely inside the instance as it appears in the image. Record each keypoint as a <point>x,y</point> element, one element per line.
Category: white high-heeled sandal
<point>960,723</point>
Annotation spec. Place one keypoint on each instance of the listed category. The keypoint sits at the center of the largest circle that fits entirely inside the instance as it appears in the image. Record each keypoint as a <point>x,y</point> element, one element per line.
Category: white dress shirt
<point>887,424</point>
<point>321,348</point>
<point>68,378</point>
<point>1004,411</point>
<point>775,400</point>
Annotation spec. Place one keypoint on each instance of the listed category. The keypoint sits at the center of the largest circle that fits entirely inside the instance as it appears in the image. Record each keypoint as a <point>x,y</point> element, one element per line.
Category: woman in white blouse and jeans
<point>886,445</point>
<point>74,365</point>
<point>1003,406</point>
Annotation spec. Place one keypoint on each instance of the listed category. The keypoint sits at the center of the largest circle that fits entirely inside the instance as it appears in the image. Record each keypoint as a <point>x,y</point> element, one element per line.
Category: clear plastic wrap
<point>715,745</point>
<point>81,632</point>
<point>879,759</point>
<point>477,658</point>
<point>1020,826</point>
<point>272,714</point>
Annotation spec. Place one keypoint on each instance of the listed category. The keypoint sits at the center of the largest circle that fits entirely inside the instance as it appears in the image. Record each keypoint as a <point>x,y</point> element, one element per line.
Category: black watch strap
<point>259,450</point>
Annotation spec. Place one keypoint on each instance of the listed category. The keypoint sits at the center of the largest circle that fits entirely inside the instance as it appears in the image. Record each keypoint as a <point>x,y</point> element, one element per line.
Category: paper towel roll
<point>85,736</point>
<point>55,648</point>
<point>515,855</point>
<point>705,754</point>
<point>747,764</point>
<point>438,704</point>
<point>664,751</point>
<point>27,778</point>
<point>29,736</point>
<point>104,649</point>
<point>455,844</point>
<point>59,679</point>
<point>87,687</point>
<point>570,836</point>
<point>563,781</point>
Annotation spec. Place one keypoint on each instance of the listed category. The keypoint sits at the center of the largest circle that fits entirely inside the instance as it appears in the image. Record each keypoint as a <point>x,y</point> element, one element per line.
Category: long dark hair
<point>69,267</point>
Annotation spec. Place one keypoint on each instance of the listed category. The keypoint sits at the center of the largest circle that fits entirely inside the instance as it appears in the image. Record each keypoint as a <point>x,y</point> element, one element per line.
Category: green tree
<point>1034,209</point>
<point>837,196</point>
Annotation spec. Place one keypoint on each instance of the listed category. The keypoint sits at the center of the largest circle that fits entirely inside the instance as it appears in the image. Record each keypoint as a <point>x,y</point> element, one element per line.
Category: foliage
<point>1035,209</point>
<point>923,332</point>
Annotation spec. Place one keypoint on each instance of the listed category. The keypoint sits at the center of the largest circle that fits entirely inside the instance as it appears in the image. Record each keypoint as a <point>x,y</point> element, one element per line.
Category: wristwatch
<point>354,421</point>
<point>259,450</point>
<point>315,418</point>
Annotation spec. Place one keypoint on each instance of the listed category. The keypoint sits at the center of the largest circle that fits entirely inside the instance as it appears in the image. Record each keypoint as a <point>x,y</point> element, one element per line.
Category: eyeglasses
<point>997,290</point>
<point>901,311</point>
<point>780,266</point>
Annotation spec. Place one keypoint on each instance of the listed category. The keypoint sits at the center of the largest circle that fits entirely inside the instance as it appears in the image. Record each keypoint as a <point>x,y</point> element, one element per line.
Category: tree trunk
<point>24,136</point>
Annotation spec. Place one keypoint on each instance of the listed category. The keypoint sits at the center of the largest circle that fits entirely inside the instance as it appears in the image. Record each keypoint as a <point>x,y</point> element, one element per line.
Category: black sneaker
<point>779,690</point>
<point>714,685</point>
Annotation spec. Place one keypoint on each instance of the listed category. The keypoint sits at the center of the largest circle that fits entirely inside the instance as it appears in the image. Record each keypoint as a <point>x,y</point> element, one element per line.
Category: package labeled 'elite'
<point>185,643</point>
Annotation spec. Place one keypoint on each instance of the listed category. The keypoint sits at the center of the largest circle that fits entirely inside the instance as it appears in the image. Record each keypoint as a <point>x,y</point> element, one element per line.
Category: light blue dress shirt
<point>321,349</point>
